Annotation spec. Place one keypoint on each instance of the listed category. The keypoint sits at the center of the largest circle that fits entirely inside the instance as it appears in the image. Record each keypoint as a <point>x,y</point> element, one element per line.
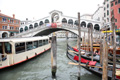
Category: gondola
<point>95,70</point>
<point>87,55</point>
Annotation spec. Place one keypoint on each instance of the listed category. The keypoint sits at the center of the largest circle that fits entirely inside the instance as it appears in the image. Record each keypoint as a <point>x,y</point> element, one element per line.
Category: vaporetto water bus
<point>17,50</point>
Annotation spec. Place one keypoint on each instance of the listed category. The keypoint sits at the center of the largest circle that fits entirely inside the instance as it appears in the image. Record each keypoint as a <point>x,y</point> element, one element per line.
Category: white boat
<point>17,50</point>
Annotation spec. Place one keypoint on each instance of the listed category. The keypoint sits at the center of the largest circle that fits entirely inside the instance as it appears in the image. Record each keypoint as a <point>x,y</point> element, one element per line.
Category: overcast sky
<point>38,9</point>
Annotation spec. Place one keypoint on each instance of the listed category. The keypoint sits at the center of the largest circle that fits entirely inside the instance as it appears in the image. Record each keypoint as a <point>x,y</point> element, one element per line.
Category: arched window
<point>76,22</point>
<point>89,25</point>
<point>41,23</point>
<point>64,20</point>
<point>21,30</point>
<point>70,21</point>
<point>83,24</point>
<point>35,25</point>
<point>26,28</point>
<point>97,27</point>
<point>46,21</point>
<point>4,35</point>
<point>31,26</point>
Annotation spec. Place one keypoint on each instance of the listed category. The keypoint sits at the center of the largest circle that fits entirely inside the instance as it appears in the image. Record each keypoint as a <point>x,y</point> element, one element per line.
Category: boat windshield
<point>1,50</point>
<point>8,48</point>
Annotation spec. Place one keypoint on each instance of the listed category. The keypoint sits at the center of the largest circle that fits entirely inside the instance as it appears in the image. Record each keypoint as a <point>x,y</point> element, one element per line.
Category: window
<point>104,8</point>
<point>107,19</point>
<point>107,5</point>
<point>119,10</point>
<point>116,3</point>
<point>107,12</point>
<point>115,20</point>
<point>11,21</point>
<point>4,27</point>
<point>35,44</point>
<point>8,47</point>
<point>1,49</point>
<point>104,15</point>
<point>46,41</point>
<point>29,45</point>
<point>43,42</point>
<point>40,42</point>
<point>17,22</point>
<point>111,4</point>
<point>4,19</point>
<point>19,47</point>
<point>12,28</point>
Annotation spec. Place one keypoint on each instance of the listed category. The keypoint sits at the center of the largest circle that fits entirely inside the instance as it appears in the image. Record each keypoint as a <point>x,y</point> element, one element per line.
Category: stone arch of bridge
<point>51,30</point>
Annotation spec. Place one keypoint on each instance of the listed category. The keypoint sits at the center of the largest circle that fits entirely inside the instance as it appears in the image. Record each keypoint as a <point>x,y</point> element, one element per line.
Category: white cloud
<point>41,8</point>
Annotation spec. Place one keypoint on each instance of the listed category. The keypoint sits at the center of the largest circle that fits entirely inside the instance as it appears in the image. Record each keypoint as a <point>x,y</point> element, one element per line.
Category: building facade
<point>9,26</point>
<point>115,7</point>
<point>98,15</point>
<point>107,12</point>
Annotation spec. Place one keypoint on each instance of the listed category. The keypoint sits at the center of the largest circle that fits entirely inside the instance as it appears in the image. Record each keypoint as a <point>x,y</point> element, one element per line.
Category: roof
<point>27,39</point>
<point>3,15</point>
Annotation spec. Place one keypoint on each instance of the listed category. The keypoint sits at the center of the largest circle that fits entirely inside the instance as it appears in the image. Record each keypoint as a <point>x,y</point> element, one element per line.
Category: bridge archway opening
<point>70,21</point>
<point>89,25</point>
<point>21,30</point>
<point>97,27</point>
<point>46,21</point>
<point>31,26</point>
<point>76,22</point>
<point>26,28</point>
<point>83,24</point>
<point>41,23</point>
<point>35,25</point>
<point>64,20</point>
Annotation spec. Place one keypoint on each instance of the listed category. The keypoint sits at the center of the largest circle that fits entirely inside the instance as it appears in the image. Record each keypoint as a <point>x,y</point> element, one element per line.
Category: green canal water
<point>39,68</point>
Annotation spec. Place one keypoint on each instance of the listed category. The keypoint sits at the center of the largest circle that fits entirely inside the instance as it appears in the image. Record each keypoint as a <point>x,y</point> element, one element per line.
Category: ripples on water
<point>39,68</point>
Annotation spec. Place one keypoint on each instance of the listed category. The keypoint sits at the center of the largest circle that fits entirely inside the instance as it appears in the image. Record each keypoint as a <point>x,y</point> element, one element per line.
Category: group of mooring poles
<point>103,50</point>
<point>79,43</point>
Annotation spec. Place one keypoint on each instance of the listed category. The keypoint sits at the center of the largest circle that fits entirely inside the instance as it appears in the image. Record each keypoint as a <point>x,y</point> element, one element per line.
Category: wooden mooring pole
<point>101,50</point>
<point>114,46</point>
<point>79,37</point>
<point>91,44</point>
<point>54,56</point>
<point>88,39</point>
<point>105,61</point>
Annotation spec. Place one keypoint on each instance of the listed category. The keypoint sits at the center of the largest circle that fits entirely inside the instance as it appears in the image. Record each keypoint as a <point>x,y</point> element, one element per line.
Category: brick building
<point>115,6</point>
<point>9,26</point>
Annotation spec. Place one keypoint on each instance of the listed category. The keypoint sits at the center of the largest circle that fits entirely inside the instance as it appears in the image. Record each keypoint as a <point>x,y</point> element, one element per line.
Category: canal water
<point>39,68</point>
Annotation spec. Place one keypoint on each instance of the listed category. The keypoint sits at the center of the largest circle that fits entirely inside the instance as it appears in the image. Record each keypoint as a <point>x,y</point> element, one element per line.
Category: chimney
<point>14,16</point>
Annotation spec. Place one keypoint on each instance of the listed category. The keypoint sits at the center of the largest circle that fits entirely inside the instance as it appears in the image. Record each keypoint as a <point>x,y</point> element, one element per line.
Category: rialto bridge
<point>43,26</point>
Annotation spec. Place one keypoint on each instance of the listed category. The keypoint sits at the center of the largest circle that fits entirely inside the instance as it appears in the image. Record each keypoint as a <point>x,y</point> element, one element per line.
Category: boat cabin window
<point>46,41</point>
<point>29,45</point>
<point>8,48</point>
<point>43,42</point>
<point>35,44</point>
<point>19,47</point>
<point>40,42</point>
<point>1,50</point>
